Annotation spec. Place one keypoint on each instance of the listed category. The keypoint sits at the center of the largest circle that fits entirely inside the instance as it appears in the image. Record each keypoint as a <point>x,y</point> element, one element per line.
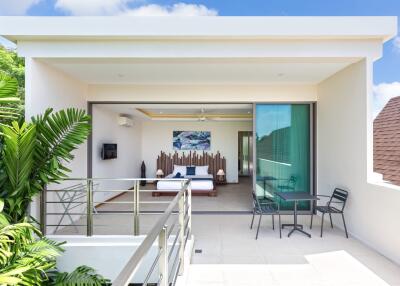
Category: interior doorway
<point>245,146</point>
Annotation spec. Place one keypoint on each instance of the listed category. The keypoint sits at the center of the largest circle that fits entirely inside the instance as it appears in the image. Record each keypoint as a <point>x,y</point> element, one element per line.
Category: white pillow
<point>202,170</point>
<point>179,169</point>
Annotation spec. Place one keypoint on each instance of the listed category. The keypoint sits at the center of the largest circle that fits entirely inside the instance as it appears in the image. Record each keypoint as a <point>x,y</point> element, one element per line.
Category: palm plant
<point>25,255</point>
<point>28,258</point>
<point>34,155</point>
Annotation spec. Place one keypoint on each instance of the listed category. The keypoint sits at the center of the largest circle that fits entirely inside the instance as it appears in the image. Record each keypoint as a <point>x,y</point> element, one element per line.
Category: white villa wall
<point>47,87</point>
<point>157,136</point>
<point>344,144</point>
<point>127,163</point>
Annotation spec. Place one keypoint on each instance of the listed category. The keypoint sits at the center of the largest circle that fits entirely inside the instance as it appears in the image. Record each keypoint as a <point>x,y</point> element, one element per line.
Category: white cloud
<point>179,9</point>
<point>16,7</point>
<point>121,7</point>
<point>92,7</point>
<point>383,92</point>
<point>396,44</point>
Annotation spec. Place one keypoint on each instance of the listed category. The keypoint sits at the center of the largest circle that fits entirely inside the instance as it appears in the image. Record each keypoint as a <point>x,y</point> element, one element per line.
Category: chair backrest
<point>339,195</point>
<point>256,203</point>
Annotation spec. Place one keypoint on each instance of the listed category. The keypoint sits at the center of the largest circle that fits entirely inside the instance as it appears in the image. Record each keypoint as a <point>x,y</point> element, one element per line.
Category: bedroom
<point>167,138</point>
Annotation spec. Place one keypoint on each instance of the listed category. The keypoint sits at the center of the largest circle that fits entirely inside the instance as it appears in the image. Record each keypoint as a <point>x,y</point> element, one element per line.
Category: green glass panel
<point>283,150</point>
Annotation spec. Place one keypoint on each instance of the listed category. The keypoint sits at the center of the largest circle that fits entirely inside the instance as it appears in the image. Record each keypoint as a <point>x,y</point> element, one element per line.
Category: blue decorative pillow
<point>178,175</point>
<point>190,171</point>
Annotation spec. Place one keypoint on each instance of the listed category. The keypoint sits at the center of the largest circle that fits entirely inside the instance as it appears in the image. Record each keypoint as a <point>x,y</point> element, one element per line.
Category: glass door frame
<point>313,150</point>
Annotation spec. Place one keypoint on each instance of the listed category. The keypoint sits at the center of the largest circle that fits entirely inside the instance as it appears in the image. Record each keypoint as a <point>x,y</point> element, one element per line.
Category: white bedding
<point>198,185</point>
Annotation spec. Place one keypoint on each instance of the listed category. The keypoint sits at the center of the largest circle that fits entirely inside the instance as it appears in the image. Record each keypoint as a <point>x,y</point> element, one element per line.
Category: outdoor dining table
<point>296,197</point>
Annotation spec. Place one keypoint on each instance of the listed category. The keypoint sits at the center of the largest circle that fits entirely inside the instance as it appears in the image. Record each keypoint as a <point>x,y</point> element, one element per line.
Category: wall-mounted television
<point>109,151</point>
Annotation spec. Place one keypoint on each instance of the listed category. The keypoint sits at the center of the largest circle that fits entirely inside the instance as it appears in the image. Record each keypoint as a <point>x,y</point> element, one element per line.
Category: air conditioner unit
<point>125,121</point>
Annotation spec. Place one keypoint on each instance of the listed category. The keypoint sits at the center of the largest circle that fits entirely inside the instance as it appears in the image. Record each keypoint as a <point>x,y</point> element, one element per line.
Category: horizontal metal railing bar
<point>173,267</point>
<point>153,266</point>
<point>115,191</point>
<point>127,179</point>
<point>115,203</point>
<point>173,224</point>
<point>155,202</point>
<point>176,273</point>
<point>115,213</point>
<point>131,266</point>
<point>159,191</point>
<point>72,225</point>
<point>64,202</point>
<point>66,213</point>
<point>187,219</point>
<point>173,245</point>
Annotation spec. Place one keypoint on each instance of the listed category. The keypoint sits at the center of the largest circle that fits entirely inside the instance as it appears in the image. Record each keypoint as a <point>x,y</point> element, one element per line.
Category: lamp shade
<point>220,172</point>
<point>160,172</point>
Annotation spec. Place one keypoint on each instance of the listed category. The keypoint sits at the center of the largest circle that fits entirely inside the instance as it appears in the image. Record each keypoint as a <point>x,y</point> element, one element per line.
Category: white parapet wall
<point>108,254</point>
<point>344,154</point>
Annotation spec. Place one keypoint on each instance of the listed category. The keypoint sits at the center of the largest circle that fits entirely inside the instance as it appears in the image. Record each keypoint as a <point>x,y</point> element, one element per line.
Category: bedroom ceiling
<point>200,71</point>
<point>186,112</point>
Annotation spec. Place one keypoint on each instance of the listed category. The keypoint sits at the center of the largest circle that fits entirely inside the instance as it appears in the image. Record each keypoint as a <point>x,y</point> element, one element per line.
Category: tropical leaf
<point>81,276</point>
<point>25,255</point>
<point>18,163</point>
<point>58,134</point>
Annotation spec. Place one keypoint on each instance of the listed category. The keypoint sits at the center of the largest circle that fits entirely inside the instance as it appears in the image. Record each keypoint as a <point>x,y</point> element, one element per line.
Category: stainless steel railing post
<point>189,203</point>
<point>43,210</point>
<point>181,232</point>
<point>136,212</point>
<point>163,263</point>
<point>89,207</point>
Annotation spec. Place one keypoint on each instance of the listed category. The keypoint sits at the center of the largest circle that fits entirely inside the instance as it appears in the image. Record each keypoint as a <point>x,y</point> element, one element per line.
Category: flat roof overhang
<point>122,28</point>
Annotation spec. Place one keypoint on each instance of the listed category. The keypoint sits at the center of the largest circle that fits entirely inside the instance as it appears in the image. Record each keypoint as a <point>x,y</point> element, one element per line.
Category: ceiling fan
<point>203,117</point>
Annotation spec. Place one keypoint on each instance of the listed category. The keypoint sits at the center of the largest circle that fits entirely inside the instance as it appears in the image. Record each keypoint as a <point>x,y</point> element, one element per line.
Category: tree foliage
<point>13,67</point>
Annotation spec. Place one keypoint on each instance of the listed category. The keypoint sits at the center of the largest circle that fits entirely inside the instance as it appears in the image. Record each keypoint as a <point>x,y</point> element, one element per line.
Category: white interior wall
<point>128,139</point>
<point>344,137</point>
<point>157,137</point>
<point>47,87</point>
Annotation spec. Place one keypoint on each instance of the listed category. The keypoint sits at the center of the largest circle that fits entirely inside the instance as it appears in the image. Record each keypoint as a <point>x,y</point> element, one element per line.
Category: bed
<point>200,185</point>
<point>202,182</point>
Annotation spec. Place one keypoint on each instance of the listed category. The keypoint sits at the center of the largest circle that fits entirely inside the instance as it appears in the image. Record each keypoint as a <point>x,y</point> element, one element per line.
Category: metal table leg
<point>296,226</point>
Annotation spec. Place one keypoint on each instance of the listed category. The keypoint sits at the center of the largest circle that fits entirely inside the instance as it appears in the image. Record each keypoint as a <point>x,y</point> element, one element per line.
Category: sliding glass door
<point>283,150</point>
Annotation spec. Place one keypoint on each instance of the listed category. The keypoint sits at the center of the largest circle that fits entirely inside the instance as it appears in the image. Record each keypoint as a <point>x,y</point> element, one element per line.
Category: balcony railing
<point>170,233</point>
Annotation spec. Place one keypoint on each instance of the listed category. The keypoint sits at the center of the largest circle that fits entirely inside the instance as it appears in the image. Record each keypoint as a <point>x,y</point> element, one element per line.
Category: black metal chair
<point>338,198</point>
<point>265,207</point>
<point>289,185</point>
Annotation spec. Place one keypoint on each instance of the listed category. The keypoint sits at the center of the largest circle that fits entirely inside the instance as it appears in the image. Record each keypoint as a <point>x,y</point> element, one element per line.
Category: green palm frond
<point>18,163</point>
<point>81,276</point>
<point>58,134</point>
<point>25,255</point>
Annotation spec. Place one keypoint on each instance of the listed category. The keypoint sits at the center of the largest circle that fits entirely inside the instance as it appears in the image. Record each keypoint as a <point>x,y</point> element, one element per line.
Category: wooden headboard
<point>215,162</point>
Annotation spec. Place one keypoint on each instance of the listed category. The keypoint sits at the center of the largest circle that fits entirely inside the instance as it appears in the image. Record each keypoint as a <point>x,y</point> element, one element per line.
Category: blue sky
<point>386,70</point>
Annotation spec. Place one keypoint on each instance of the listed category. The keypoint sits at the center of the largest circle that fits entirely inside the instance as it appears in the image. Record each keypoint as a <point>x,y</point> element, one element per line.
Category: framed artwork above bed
<point>191,140</point>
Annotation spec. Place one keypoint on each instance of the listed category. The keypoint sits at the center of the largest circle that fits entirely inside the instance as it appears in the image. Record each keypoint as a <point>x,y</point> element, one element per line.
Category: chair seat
<point>327,209</point>
<point>267,209</point>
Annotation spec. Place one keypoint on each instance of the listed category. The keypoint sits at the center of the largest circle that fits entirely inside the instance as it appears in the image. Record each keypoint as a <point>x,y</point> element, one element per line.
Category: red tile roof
<point>387,142</point>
